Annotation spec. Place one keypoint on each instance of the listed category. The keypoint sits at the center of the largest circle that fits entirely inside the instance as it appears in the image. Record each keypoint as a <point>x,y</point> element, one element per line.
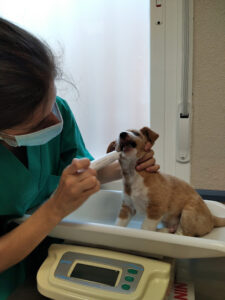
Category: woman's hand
<point>77,183</point>
<point>147,162</point>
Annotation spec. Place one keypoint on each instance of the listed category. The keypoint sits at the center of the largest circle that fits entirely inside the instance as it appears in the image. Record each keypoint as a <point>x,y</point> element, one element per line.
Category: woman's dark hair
<point>27,68</point>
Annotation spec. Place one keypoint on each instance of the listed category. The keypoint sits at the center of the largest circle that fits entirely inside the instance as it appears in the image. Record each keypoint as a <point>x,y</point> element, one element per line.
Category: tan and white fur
<point>160,197</point>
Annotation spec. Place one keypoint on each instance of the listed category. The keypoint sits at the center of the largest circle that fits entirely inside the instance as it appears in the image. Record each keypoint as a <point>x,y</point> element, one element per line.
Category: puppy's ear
<point>150,134</point>
<point>111,147</point>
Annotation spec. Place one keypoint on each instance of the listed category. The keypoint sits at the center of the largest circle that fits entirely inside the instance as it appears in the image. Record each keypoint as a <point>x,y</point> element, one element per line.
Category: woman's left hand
<point>147,162</point>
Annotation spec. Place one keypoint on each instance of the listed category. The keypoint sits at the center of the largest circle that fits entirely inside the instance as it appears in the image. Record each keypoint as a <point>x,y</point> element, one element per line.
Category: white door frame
<point>167,55</point>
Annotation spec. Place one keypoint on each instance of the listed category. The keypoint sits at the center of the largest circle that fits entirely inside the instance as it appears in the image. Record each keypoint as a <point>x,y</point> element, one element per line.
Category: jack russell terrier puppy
<point>160,197</point>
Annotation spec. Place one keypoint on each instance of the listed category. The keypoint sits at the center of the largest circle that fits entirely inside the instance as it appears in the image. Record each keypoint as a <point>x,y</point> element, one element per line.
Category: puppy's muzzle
<point>125,142</point>
<point>123,135</point>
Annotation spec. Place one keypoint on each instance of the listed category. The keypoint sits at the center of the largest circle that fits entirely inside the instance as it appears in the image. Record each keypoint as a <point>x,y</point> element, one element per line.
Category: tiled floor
<point>208,276</point>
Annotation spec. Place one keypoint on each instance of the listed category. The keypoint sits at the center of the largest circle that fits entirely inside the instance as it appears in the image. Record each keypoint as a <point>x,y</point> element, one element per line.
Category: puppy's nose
<point>123,135</point>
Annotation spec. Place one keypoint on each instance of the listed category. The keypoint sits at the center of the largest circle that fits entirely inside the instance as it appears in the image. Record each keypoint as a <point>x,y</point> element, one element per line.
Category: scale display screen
<point>96,274</point>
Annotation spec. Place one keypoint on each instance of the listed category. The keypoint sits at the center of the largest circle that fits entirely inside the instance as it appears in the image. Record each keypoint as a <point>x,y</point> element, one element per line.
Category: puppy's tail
<point>218,222</point>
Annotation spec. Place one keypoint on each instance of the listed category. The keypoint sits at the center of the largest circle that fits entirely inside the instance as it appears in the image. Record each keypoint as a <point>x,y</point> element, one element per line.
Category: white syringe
<point>107,159</point>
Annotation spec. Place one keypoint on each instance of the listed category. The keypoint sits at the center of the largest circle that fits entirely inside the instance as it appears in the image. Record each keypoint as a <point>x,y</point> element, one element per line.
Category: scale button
<point>132,271</point>
<point>125,286</point>
<point>129,278</point>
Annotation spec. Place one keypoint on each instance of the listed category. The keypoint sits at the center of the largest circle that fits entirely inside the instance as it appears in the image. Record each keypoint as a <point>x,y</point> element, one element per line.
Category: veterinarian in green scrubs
<point>39,139</point>
<point>24,187</point>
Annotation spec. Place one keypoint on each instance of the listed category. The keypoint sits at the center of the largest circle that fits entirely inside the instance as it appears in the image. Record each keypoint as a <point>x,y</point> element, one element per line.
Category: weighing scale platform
<point>93,224</point>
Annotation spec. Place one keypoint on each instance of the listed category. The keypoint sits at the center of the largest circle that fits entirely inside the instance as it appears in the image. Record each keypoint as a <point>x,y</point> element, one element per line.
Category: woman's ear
<point>111,147</point>
<point>150,134</point>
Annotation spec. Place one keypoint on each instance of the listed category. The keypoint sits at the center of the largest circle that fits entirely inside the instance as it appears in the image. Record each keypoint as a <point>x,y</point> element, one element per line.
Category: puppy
<point>160,197</point>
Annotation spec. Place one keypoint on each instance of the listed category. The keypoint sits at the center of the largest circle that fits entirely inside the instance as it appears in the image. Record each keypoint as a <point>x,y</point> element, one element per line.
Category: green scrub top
<point>23,188</point>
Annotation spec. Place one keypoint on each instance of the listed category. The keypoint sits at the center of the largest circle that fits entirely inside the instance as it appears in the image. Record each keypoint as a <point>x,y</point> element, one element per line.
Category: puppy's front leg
<point>126,212</point>
<point>154,215</point>
<point>150,224</point>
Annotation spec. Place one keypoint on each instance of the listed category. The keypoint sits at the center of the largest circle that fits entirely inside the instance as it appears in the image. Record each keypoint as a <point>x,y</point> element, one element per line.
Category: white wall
<point>106,46</point>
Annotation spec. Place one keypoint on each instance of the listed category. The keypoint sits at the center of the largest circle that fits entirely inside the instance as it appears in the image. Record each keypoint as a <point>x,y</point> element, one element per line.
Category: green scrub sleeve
<point>72,144</point>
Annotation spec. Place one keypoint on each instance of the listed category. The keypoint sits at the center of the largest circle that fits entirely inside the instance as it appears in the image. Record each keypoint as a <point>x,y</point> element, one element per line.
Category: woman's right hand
<point>77,183</point>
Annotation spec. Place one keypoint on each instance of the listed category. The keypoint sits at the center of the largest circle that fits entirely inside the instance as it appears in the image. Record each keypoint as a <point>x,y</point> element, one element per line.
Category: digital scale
<point>92,273</point>
<point>74,272</point>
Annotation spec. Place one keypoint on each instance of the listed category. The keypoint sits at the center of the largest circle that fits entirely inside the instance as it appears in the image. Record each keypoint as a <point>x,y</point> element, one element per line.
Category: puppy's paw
<point>179,230</point>
<point>150,224</point>
<point>121,222</point>
<point>165,230</point>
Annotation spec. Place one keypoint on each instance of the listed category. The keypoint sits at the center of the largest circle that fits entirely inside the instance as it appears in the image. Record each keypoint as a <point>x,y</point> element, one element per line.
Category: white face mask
<point>40,137</point>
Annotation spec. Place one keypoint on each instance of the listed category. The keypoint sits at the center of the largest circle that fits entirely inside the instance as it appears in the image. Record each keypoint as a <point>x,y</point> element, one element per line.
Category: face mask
<point>40,137</point>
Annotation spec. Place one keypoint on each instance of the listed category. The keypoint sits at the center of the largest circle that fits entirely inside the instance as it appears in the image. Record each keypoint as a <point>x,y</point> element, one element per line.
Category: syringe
<point>107,159</point>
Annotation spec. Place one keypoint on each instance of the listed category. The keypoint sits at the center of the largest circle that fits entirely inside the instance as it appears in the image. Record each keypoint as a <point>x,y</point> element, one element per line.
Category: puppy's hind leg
<point>196,219</point>
<point>171,223</point>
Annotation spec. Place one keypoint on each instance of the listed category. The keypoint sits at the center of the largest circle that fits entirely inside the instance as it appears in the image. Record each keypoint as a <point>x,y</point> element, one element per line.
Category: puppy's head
<point>131,143</point>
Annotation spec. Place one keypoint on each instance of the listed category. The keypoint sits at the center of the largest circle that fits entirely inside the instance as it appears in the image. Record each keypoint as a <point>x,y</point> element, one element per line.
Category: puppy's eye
<point>136,133</point>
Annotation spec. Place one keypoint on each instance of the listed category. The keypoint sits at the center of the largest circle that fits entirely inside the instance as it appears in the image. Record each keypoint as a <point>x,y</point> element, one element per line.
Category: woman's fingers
<point>91,191</point>
<point>87,194</point>
<point>89,183</point>
<point>147,156</point>
<point>85,174</point>
<point>148,163</point>
<point>76,166</point>
<point>153,169</point>
<point>148,146</point>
